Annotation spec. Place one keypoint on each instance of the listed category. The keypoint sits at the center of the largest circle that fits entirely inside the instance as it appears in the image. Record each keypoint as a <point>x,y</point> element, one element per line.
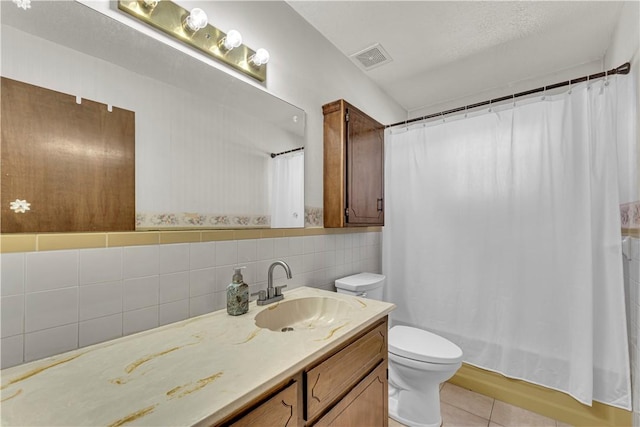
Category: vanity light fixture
<point>261,57</point>
<point>150,4</point>
<point>232,40</point>
<point>196,20</point>
<point>193,29</point>
<point>23,4</point>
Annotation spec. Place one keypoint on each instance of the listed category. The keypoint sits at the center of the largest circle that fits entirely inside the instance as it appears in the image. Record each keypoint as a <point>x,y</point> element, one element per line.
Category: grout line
<point>493,404</point>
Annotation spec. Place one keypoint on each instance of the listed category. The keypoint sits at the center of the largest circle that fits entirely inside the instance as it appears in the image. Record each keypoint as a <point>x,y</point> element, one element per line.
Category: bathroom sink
<point>302,313</point>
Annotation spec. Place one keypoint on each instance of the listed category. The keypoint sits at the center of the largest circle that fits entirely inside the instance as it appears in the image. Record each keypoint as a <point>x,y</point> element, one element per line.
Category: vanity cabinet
<point>348,386</point>
<point>353,167</point>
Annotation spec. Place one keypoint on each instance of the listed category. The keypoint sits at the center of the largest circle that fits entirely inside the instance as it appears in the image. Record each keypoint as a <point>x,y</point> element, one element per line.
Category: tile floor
<point>464,408</point>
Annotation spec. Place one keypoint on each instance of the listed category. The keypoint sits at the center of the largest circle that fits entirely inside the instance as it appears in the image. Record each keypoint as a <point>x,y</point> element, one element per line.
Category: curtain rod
<point>623,69</point>
<point>273,155</point>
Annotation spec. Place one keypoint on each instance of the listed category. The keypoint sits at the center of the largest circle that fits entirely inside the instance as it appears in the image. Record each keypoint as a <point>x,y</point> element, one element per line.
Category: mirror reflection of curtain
<point>287,204</point>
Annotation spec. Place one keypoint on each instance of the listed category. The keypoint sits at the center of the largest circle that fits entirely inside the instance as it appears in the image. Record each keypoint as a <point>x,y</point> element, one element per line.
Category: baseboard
<point>544,401</point>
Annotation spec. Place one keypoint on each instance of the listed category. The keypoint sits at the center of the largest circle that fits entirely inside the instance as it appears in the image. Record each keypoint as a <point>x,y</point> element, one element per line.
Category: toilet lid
<point>418,344</point>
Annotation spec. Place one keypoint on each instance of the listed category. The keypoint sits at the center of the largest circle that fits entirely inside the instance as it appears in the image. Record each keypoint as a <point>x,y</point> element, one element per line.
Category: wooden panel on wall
<point>74,163</point>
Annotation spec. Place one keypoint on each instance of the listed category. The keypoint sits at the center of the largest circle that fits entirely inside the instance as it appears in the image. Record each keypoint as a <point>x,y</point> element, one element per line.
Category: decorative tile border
<point>313,217</point>
<point>147,220</point>
<point>630,215</point>
<point>173,220</point>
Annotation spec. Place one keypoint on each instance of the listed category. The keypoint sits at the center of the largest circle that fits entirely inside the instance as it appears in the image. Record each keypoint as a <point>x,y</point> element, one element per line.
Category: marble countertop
<point>192,372</point>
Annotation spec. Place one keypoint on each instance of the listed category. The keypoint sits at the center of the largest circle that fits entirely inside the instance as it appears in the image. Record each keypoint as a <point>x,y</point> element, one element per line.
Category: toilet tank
<point>367,285</point>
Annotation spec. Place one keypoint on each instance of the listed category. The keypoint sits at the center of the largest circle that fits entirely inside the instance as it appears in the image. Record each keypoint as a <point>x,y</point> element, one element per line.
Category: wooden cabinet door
<point>331,378</point>
<point>365,169</point>
<point>281,410</point>
<point>353,167</point>
<point>365,405</point>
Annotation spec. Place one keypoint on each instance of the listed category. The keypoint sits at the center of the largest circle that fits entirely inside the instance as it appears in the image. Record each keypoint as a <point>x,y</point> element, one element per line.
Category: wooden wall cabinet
<point>347,387</point>
<point>353,167</point>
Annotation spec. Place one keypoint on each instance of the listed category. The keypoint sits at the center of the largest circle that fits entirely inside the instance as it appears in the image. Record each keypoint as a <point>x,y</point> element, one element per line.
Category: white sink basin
<point>303,313</point>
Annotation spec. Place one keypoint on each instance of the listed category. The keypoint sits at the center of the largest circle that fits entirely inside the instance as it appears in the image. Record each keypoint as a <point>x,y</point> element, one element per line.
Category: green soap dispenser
<point>237,294</point>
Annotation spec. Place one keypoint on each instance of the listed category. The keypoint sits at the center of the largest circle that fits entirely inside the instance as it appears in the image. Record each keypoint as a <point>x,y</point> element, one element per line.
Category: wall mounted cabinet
<point>353,167</point>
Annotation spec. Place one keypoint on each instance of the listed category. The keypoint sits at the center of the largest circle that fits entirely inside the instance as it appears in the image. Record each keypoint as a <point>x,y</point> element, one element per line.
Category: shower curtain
<point>503,235</point>
<point>287,203</point>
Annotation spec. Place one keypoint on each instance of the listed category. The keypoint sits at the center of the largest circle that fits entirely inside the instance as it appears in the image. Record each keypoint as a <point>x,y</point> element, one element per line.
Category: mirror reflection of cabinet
<point>353,167</point>
<point>72,162</point>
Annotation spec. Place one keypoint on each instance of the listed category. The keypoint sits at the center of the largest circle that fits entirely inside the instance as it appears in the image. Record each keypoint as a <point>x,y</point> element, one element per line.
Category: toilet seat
<point>418,344</point>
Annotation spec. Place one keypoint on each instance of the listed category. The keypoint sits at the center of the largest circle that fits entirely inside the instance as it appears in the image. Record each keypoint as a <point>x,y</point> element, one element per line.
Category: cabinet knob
<point>379,205</point>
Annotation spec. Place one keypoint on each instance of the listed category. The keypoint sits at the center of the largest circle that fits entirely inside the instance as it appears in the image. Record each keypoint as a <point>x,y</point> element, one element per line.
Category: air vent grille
<point>371,57</point>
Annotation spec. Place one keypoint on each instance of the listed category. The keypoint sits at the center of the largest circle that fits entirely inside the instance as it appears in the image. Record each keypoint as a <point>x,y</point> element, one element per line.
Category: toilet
<point>419,361</point>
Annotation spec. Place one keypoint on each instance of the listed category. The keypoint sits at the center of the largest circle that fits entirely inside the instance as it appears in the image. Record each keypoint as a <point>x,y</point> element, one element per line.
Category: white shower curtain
<point>287,203</point>
<point>503,234</point>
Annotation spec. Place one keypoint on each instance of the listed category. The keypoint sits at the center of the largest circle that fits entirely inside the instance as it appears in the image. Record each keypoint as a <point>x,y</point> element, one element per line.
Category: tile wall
<point>55,301</point>
<point>632,288</point>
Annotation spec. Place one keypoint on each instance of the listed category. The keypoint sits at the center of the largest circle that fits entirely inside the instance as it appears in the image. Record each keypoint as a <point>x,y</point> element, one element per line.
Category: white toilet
<point>419,361</point>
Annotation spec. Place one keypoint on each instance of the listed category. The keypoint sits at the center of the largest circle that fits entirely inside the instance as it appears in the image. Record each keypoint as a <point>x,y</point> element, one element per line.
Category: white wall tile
<point>226,253</point>
<point>202,281</point>
<point>247,251</point>
<point>319,243</point>
<point>308,244</point>
<point>266,249</point>
<point>330,242</point>
<point>139,320</point>
<point>99,300</point>
<point>101,329</point>
<point>202,255</point>
<point>100,265</point>
<point>12,267</point>
<point>174,258</point>
<point>141,292</point>
<point>140,261</point>
<point>296,245</point>
<point>173,312</point>
<point>202,304</point>
<point>281,247</point>
<point>49,309</point>
<point>296,264</point>
<point>220,301</point>
<point>49,342</point>
<point>308,262</point>
<point>174,287</point>
<point>11,351</point>
<point>12,315</point>
<point>51,270</point>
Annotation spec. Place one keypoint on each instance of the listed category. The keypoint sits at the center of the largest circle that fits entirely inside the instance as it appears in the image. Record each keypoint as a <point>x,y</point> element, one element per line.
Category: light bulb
<point>259,58</point>
<point>232,40</point>
<point>196,20</point>
<point>150,4</point>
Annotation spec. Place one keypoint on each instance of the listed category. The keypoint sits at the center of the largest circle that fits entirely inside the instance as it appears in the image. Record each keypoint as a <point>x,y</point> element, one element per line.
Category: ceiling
<point>447,50</point>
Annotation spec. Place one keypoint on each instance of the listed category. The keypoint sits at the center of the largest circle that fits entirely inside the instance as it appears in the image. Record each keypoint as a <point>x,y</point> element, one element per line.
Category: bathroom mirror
<point>204,138</point>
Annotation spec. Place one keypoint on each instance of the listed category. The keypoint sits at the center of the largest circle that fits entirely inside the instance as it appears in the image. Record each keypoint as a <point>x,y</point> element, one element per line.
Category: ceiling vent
<point>371,57</point>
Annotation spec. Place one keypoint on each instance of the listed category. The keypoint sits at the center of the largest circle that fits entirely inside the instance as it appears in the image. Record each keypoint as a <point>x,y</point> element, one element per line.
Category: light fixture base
<point>168,17</point>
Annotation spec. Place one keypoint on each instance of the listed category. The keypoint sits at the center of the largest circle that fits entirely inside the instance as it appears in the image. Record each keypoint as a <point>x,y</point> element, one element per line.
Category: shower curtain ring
<point>465,111</point>
<point>490,105</point>
<point>544,93</point>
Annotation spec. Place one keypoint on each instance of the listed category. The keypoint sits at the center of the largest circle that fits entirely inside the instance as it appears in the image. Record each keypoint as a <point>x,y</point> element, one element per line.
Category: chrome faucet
<point>273,294</point>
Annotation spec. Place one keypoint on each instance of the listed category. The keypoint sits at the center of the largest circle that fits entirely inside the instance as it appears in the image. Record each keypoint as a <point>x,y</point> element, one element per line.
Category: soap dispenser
<point>237,294</point>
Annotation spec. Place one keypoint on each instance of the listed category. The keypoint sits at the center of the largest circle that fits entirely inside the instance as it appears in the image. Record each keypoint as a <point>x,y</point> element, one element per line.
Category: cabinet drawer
<point>327,381</point>
<point>279,410</point>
